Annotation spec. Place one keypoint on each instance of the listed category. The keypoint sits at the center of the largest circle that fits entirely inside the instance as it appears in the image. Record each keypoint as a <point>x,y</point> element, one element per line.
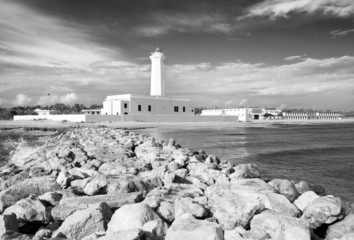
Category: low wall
<point>160,118</point>
<point>67,117</point>
<point>128,118</point>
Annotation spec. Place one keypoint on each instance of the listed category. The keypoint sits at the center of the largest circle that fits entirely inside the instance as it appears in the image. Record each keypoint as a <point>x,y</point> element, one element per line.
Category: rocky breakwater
<point>101,183</point>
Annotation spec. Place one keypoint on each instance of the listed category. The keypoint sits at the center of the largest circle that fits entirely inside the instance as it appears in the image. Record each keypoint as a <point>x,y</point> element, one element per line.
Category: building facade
<point>243,114</point>
<point>312,116</point>
<point>155,104</point>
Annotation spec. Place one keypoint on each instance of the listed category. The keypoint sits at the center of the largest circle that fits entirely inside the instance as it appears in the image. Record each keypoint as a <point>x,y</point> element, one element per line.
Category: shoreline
<point>49,124</point>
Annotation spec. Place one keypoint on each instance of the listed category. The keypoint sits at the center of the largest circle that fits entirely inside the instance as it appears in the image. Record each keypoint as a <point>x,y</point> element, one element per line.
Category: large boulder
<point>85,222</point>
<point>255,185</point>
<point>280,204</point>
<point>170,193</point>
<point>189,228</point>
<point>166,211</point>
<point>186,205</point>
<point>342,229</point>
<point>285,187</point>
<point>232,208</point>
<point>277,226</point>
<point>33,186</point>
<point>8,223</point>
<point>155,230</point>
<point>70,205</point>
<point>131,216</point>
<point>29,210</point>
<point>95,184</point>
<point>149,151</point>
<point>305,199</point>
<point>248,170</point>
<point>323,210</point>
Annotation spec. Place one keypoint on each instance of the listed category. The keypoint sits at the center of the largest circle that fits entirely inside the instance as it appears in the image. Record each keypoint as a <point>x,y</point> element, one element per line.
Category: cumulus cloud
<point>340,33</point>
<point>49,99</point>
<point>22,99</point>
<point>284,8</point>
<point>68,98</point>
<point>297,57</point>
<point>185,23</point>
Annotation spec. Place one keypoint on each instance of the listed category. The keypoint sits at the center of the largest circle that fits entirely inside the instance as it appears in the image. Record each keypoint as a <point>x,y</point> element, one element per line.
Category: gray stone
<point>85,222</point>
<point>186,205</point>
<point>133,234</point>
<point>131,216</point>
<point>285,187</point>
<point>43,234</point>
<point>33,186</point>
<point>166,211</point>
<point>50,198</point>
<point>322,210</point>
<point>29,210</point>
<point>95,184</point>
<point>8,223</point>
<point>277,226</point>
<point>189,228</point>
<point>155,230</point>
<point>248,170</point>
<point>68,206</point>
<point>305,199</point>
<point>342,229</point>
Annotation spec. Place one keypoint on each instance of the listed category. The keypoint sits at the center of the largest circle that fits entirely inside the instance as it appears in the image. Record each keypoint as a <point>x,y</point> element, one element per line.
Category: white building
<point>42,112</point>
<point>243,114</point>
<point>156,103</point>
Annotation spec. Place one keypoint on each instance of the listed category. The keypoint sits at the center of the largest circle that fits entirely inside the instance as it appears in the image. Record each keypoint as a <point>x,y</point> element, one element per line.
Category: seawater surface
<point>319,153</point>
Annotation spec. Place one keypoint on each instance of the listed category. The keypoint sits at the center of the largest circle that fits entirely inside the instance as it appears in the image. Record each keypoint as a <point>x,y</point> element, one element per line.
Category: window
<point>139,108</point>
<point>184,109</point>
<point>149,108</point>
<point>176,109</point>
<point>125,105</point>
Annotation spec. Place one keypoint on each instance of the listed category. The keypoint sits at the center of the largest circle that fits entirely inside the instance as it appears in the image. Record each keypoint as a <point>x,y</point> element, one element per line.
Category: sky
<point>270,53</point>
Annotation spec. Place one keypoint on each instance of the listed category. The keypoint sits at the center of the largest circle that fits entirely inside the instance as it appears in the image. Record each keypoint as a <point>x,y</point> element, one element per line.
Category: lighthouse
<point>157,80</point>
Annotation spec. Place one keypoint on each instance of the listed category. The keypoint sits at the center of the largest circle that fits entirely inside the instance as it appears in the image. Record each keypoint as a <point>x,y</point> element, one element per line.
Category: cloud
<point>340,33</point>
<point>31,38</point>
<point>243,102</point>
<point>49,99</point>
<point>69,98</point>
<point>274,9</point>
<point>162,24</point>
<point>298,57</point>
<point>22,100</point>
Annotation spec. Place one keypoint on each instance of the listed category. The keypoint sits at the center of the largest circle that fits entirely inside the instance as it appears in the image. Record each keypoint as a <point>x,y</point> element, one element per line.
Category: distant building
<point>92,111</point>
<point>155,104</point>
<point>312,116</point>
<point>42,112</point>
<point>243,114</point>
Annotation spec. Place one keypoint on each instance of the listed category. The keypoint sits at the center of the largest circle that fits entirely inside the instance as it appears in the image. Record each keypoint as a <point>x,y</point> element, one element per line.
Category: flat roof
<point>130,96</point>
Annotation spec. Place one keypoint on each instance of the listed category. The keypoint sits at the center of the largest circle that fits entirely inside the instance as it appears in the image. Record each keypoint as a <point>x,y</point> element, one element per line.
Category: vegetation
<point>59,108</point>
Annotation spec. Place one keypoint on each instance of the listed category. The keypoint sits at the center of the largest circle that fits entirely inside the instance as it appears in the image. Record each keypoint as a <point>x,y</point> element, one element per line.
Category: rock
<point>280,204</point>
<point>233,206</point>
<point>342,230</point>
<point>50,198</point>
<point>79,185</point>
<point>79,173</point>
<point>189,228</point>
<point>212,159</point>
<point>172,166</point>
<point>155,230</point>
<point>248,170</point>
<point>255,185</point>
<point>42,234</point>
<point>64,179</point>
<point>203,172</point>
<point>95,184</point>
<point>170,193</point>
<point>285,187</point>
<point>149,151</point>
<point>276,226</point>
<point>239,233</point>
<point>68,206</point>
<point>302,187</point>
<point>11,235</point>
<point>85,222</point>
<point>133,234</point>
<point>305,199</point>
<point>186,205</point>
<point>322,210</point>
<point>130,217</point>
<point>29,210</point>
<point>166,211</point>
<point>33,186</point>
<point>8,223</point>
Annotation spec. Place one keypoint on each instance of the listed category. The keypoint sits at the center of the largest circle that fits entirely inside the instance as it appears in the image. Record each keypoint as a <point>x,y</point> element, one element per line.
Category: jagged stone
<point>8,223</point>
<point>285,187</point>
<point>248,170</point>
<point>343,229</point>
<point>305,199</point>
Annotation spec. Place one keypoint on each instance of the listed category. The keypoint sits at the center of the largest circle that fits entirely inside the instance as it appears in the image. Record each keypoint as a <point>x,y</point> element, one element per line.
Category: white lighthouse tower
<point>157,80</point>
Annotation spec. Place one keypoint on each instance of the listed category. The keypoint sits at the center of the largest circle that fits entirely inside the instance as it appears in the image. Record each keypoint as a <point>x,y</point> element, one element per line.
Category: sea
<point>321,154</point>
